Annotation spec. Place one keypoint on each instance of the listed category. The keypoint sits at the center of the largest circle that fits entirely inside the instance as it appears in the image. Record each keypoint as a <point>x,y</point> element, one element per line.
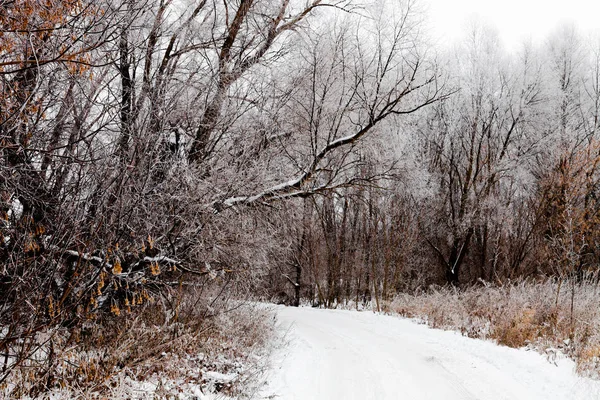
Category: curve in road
<point>345,355</point>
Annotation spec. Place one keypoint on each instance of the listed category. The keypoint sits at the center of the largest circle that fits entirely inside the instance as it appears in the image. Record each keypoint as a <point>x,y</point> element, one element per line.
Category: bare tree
<point>474,144</point>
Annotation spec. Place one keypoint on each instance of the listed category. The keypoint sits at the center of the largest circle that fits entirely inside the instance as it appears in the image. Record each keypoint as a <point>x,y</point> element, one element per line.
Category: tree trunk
<point>457,256</point>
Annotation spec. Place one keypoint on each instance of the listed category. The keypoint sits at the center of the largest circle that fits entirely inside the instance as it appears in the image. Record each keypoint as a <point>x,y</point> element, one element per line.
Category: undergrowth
<point>549,316</point>
<point>194,352</point>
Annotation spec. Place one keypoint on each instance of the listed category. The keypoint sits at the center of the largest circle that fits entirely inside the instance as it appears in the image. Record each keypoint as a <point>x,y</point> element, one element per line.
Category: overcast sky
<point>515,20</point>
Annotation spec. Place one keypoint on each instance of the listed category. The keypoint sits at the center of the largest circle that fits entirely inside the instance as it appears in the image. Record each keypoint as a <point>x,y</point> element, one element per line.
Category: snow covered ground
<point>343,355</point>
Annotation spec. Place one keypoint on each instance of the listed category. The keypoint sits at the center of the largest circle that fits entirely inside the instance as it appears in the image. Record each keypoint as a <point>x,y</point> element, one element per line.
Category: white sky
<point>515,20</point>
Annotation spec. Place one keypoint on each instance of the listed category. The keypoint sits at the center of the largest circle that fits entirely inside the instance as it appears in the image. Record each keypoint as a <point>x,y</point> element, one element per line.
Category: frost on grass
<point>533,315</point>
<point>224,357</point>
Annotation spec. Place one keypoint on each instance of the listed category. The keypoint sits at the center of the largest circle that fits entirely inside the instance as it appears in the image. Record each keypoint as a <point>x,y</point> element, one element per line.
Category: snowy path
<point>344,355</point>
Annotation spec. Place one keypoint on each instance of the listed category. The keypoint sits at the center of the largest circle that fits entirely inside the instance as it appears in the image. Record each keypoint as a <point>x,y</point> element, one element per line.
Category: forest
<point>163,160</point>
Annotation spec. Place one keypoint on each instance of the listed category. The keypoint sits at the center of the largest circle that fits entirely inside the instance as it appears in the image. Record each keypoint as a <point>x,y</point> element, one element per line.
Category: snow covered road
<point>344,355</point>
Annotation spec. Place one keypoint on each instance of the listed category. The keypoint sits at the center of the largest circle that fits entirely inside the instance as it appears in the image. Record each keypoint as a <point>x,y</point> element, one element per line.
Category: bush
<point>156,352</point>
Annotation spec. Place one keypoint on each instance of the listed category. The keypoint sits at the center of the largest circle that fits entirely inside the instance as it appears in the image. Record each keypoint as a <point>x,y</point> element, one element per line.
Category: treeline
<point>497,182</point>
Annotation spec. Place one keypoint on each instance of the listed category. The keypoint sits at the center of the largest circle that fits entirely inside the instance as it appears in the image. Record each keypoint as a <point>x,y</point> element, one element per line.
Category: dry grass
<point>157,354</point>
<point>525,314</point>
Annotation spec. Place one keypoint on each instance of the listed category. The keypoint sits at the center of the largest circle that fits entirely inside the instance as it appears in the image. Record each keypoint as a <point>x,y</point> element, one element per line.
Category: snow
<point>334,354</point>
<point>16,209</point>
<point>161,259</point>
<point>87,257</point>
<point>251,199</point>
<point>219,377</point>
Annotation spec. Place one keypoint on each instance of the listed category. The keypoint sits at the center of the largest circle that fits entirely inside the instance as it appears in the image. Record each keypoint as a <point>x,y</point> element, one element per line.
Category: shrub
<point>154,353</point>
